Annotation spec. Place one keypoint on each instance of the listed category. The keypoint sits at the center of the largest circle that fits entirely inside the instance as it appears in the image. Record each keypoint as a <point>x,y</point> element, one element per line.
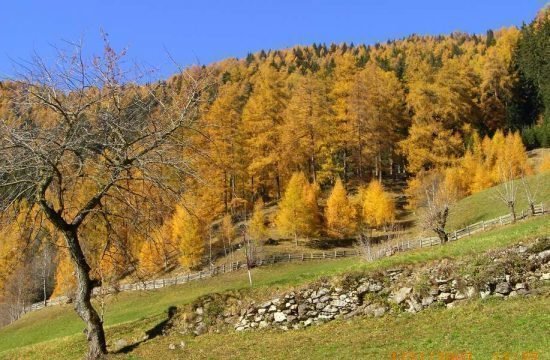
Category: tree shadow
<point>152,333</point>
<point>327,244</point>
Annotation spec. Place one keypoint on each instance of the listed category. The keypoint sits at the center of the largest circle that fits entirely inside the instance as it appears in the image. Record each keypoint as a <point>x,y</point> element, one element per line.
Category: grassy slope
<point>484,205</point>
<point>57,330</point>
<point>482,328</point>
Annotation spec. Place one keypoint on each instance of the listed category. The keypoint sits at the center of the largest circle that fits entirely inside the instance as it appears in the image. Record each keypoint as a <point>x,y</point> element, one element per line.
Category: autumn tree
<point>227,234</point>
<point>497,79</point>
<point>65,281</point>
<point>226,138</point>
<point>441,102</point>
<point>376,113</point>
<point>256,227</point>
<point>296,215</point>
<point>104,133</point>
<point>344,71</point>
<point>188,233</point>
<point>378,206</point>
<point>158,251</point>
<point>340,212</point>
<point>262,116</point>
<point>305,133</point>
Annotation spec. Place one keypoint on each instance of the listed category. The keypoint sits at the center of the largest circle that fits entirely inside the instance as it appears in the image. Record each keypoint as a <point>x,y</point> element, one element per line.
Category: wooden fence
<point>373,254</point>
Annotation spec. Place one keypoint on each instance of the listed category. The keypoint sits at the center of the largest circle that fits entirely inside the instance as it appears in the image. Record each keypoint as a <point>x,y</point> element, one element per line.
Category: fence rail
<point>373,254</point>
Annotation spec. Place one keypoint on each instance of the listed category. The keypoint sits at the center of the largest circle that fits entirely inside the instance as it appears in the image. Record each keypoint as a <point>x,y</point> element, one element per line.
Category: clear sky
<point>203,31</point>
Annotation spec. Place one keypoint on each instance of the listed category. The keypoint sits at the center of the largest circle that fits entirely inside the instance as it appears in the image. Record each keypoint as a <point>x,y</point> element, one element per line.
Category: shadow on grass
<point>152,333</point>
<point>325,244</point>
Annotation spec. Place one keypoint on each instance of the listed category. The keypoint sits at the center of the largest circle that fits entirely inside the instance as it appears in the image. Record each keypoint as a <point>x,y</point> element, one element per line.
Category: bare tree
<point>364,243</point>
<point>82,139</point>
<point>530,193</point>
<point>436,199</point>
<point>508,190</point>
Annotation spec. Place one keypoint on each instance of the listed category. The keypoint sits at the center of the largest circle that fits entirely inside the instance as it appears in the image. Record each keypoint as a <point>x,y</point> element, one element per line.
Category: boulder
<point>399,296</point>
<point>302,308</point>
<point>379,311</point>
<point>263,324</point>
<point>503,288</point>
<point>279,317</point>
<point>484,293</point>
<point>519,286</point>
<point>200,329</point>
<point>445,297</point>
<point>362,289</point>
<point>375,287</point>
<point>544,255</point>
<point>428,300</point>
<point>460,295</point>
<point>120,344</point>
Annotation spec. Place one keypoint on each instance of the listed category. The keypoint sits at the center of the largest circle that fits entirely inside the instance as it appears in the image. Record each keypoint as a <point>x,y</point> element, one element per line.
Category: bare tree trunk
<point>442,234</point>
<point>278,180</point>
<point>379,167</point>
<point>345,179</point>
<point>512,207</point>
<point>97,346</point>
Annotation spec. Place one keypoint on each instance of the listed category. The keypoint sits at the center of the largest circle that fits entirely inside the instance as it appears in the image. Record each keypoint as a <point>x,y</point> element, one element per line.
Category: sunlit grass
<point>57,330</point>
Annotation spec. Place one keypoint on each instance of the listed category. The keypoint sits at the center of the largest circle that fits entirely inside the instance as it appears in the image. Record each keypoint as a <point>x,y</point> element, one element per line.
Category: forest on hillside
<point>285,126</point>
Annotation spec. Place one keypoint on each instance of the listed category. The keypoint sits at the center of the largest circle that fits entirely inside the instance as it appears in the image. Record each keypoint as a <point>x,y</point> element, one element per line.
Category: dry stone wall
<point>517,271</point>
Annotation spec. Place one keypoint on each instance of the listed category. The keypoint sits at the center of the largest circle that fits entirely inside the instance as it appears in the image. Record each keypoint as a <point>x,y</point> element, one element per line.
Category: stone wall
<point>517,271</point>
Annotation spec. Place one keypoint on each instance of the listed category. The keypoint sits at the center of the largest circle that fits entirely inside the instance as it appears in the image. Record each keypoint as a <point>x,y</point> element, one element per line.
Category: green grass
<point>484,205</point>
<point>56,331</point>
<point>482,328</point>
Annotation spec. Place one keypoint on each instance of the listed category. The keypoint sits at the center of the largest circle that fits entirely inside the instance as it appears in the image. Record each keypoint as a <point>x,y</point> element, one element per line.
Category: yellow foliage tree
<point>297,216</point>
<point>340,212</point>
<point>256,226</point>
<point>157,253</point>
<point>544,165</point>
<point>187,232</point>
<point>114,263</point>
<point>65,281</point>
<point>378,206</point>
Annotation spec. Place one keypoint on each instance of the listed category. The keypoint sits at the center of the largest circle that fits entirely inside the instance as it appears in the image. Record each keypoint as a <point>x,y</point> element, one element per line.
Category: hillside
<point>486,205</point>
<point>56,331</point>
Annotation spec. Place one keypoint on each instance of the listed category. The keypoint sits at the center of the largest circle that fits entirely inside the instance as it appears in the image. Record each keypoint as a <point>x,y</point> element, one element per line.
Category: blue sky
<point>203,31</point>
